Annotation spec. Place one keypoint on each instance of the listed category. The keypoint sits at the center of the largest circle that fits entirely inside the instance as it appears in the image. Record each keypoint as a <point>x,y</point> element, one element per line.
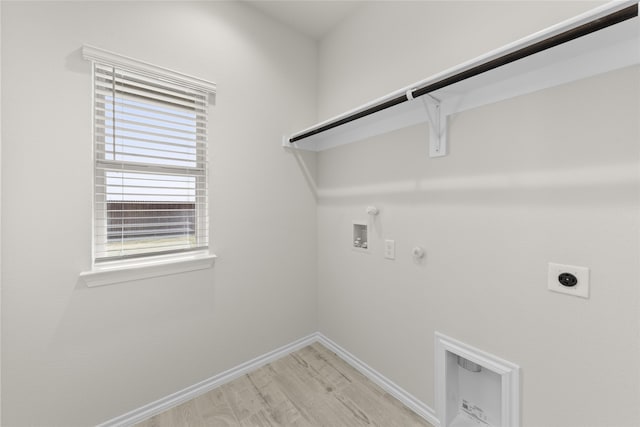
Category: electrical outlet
<point>390,249</point>
<point>568,279</point>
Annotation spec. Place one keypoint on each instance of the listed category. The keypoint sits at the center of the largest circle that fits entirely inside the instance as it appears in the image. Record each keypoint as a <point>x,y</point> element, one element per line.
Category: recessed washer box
<point>474,388</point>
<point>360,237</point>
<point>568,279</point>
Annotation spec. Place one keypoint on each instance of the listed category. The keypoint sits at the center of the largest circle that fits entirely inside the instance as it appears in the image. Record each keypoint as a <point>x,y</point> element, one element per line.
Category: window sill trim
<point>144,269</point>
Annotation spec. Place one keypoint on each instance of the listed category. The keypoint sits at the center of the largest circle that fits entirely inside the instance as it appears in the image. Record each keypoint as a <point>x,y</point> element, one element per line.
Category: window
<point>150,160</point>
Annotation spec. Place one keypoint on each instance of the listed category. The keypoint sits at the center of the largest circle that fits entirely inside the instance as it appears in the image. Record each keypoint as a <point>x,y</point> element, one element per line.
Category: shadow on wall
<point>74,63</point>
<point>610,184</point>
<point>306,161</point>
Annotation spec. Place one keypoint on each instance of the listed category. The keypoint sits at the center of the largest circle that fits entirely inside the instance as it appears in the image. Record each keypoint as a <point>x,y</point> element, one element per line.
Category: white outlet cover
<point>581,289</point>
<point>390,249</point>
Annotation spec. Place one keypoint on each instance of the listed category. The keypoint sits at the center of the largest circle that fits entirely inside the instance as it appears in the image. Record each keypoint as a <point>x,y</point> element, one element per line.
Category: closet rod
<point>553,41</point>
<point>567,36</point>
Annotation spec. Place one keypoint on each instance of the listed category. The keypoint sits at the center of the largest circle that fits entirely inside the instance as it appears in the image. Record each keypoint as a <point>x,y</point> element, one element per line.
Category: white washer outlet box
<point>568,279</point>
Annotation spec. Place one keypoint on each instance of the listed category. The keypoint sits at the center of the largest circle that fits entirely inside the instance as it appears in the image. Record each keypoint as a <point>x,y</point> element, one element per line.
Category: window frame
<point>123,269</point>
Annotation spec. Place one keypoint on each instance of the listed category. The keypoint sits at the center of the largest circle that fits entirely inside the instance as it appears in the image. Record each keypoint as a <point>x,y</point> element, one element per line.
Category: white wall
<point>551,176</point>
<point>79,356</point>
<point>0,218</point>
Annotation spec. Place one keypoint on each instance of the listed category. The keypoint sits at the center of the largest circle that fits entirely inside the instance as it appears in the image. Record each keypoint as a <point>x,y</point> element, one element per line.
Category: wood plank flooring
<point>311,387</point>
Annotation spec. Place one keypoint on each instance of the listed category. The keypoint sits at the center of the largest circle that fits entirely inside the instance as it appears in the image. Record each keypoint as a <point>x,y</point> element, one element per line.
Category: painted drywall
<point>77,356</point>
<point>0,218</point>
<point>547,177</point>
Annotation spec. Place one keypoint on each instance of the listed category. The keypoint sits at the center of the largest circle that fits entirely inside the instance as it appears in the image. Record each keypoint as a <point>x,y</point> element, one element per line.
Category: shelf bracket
<point>437,126</point>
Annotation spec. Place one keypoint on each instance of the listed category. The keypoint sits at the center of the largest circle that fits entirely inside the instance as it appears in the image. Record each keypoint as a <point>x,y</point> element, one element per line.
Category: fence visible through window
<point>131,224</point>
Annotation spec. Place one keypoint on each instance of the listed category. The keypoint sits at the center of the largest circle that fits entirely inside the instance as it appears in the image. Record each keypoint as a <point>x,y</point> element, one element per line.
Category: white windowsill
<point>124,271</point>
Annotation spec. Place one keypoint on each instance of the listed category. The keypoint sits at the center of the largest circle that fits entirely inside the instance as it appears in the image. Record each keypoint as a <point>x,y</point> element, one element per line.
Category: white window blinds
<point>150,165</point>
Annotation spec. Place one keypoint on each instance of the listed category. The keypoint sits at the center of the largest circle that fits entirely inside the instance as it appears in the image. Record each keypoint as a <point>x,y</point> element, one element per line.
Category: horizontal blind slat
<point>138,157</point>
<point>105,151</point>
<point>140,96</point>
<point>147,123</point>
<point>149,84</point>
<point>115,255</point>
<point>105,111</point>
<point>105,101</point>
<point>109,150</point>
<point>149,187</point>
<point>123,128</point>
<point>100,133</point>
<point>106,71</point>
<point>118,166</point>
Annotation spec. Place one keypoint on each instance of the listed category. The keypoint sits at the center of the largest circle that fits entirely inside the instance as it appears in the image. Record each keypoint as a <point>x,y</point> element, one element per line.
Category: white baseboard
<point>175,399</point>
<point>386,384</point>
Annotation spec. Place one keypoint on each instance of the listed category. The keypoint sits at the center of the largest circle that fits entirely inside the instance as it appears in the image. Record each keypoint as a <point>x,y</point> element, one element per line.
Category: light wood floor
<point>311,387</point>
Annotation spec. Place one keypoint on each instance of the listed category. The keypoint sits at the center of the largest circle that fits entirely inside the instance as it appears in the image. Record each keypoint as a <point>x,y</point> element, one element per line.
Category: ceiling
<point>315,18</point>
